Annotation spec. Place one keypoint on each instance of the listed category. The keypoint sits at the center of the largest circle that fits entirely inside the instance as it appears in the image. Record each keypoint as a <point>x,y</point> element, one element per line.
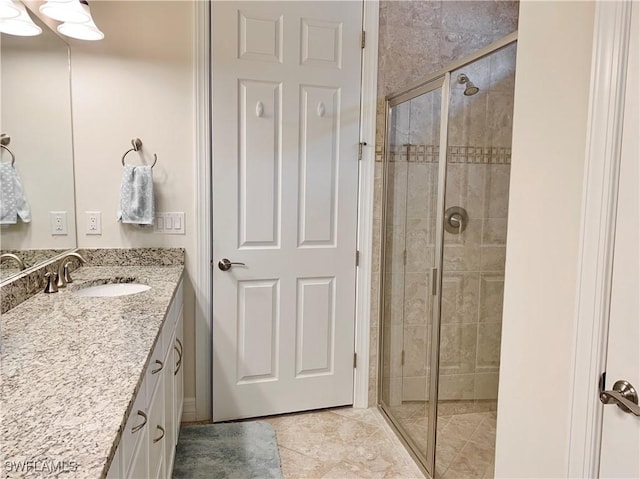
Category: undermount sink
<point>111,290</point>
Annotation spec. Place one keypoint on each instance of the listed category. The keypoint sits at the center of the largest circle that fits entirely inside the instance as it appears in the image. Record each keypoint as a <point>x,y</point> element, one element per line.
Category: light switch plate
<point>58,223</point>
<point>170,223</point>
<point>94,222</point>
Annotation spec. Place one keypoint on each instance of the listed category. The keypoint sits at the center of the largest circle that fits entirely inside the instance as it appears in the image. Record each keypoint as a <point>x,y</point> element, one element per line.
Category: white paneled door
<point>620,450</point>
<point>286,107</point>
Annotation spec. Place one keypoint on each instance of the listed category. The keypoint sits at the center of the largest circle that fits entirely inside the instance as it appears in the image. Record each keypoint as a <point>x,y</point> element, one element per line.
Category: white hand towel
<point>13,202</point>
<point>136,195</point>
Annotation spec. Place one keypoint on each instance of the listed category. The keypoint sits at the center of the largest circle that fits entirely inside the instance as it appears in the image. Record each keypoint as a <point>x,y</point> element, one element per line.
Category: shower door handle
<point>225,265</point>
<point>623,395</point>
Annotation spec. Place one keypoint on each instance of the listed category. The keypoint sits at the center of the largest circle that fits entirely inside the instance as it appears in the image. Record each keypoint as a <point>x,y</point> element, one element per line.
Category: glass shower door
<point>475,226</point>
<point>409,256</point>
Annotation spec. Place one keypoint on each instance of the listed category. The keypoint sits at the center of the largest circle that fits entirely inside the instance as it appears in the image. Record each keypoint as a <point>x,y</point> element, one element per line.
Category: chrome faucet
<point>12,256</point>
<point>64,276</point>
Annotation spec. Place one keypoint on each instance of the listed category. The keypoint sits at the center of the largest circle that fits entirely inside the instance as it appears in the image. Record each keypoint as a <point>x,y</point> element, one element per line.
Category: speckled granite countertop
<point>70,368</point>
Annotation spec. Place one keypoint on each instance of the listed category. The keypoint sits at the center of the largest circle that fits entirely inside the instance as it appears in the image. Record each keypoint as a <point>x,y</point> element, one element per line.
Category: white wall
<point>138,82</point>
<point>547,171</point>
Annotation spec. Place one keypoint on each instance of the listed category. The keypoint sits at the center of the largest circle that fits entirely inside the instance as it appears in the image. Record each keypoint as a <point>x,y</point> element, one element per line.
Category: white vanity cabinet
<point>147,446</point>
<point>173,393</point>
<point>178,397</point>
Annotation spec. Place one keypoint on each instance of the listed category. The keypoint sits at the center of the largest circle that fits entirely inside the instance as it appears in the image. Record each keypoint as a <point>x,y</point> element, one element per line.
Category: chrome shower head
<point>470,89</point>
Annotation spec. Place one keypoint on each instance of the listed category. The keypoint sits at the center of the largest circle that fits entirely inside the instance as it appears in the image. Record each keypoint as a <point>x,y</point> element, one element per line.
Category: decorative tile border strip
<point>479,155</point>
<point>489,155</point>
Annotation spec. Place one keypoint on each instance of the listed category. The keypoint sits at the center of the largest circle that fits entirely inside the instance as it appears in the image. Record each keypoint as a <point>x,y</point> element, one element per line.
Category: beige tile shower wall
<point>416,39</point>
<point>473,283</point>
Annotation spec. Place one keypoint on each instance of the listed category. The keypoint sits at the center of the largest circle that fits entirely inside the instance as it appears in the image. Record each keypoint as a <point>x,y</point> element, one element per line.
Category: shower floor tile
<point>465,439</point>
<point>341,443</point>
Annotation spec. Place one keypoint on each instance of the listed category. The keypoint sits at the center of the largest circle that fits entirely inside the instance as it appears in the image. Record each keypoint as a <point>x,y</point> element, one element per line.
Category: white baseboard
<point>189,410</point>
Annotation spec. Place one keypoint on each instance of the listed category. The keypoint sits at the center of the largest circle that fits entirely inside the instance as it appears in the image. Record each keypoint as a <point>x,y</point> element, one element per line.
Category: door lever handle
<point>225,265</point>
<point>623,395</point>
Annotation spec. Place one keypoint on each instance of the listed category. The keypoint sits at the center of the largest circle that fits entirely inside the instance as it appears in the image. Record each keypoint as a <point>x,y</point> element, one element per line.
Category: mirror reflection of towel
<point>136,195</point>
<point>13,202</point>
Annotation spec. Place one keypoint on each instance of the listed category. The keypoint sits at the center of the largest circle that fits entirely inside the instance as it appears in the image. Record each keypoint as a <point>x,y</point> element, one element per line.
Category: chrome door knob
<point>623,395</point>
<point>225,265</point>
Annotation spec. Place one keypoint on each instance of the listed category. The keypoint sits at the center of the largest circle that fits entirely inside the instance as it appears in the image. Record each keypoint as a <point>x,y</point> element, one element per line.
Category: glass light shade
<point>71,11</point>
<point>81,31</point>
<point>8,10</point>
<point>22,25</point>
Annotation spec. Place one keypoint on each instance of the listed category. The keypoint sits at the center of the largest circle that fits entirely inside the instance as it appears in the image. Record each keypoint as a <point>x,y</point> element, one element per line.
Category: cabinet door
<point>115,470</point>
<point>169,406</point>
<point>133,445</point>
<point>157,432</point>
<point>179,378</point>
<point>139,468</point>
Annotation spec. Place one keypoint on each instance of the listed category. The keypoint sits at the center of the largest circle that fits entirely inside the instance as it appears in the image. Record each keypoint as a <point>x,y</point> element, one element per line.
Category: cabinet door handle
<point>156,371</point>
<point>179,362</point>
<point>159,438</point>
<point>135,429</point>
<point>180,344</point>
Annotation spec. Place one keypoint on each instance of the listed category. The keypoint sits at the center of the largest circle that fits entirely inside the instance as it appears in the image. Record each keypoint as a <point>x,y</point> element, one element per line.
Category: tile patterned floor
<point>358,443</point>
<point>341,443</point>
<point>465,445</point>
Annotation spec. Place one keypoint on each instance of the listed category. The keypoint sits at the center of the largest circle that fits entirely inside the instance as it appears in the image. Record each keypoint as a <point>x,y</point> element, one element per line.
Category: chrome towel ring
<point>13,157</point>
<point>137,145</point>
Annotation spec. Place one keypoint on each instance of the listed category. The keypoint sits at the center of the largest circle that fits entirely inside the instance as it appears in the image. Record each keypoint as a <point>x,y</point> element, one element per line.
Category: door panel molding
<point>315,323</point>
<point>260,164</point>
<point>318,173</point>
<point>606,109</point>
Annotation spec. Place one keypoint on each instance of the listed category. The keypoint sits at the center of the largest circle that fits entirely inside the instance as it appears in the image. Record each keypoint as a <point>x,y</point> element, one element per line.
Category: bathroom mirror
<point>36,115</point>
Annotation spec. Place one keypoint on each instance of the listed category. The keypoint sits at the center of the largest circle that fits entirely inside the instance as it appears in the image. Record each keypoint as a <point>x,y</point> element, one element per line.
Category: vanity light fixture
<point>65,11</point>
<point>8,10</point>
<point>85,30</point>
<point>21,25</point>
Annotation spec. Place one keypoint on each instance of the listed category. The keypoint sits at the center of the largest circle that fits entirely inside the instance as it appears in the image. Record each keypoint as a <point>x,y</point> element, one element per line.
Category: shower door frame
<point>440,79</point>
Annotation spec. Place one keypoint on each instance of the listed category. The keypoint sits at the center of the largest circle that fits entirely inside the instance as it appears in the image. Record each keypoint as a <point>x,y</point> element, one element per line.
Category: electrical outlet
<point>58,223</point>
<point>94,222</point>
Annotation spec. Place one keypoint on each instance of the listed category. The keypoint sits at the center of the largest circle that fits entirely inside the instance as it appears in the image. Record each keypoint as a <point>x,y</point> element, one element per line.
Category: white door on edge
<point>620,449</point>
<point>286,108</point>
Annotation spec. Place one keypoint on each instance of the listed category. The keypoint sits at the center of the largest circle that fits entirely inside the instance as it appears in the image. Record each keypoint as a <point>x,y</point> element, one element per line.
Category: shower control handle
<point>456,219</point>
<point>225,265</point>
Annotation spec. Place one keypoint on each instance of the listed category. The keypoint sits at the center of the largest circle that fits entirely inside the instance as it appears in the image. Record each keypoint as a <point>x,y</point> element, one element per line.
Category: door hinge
<point>364,35</point>
<point>402,358</point>
<point>357,258</point>
<point>360,145</point>
<point>355,360</point>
